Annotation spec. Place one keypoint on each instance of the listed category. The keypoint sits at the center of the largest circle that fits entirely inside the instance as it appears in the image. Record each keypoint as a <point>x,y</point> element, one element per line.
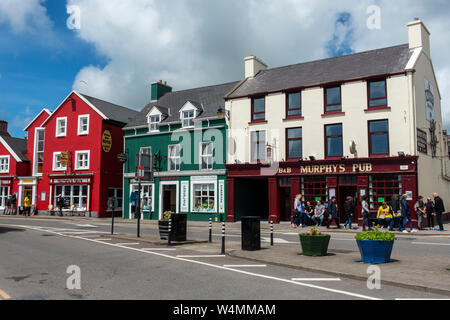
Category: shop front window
<point>382,188</point>
<point>204,198</point>
<point>314,189</point>
<point>75,196</point>
<point>146,197</point>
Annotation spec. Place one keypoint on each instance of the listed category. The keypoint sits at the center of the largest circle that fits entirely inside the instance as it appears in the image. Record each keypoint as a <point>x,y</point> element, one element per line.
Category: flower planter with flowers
<point>179,226</point>
<point>314,243</point>
<point>375,246</point>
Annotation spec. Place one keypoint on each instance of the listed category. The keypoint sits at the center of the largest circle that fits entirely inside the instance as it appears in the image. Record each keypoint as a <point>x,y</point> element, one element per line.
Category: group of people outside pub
<point>11,207</point>
<point>396,213</point>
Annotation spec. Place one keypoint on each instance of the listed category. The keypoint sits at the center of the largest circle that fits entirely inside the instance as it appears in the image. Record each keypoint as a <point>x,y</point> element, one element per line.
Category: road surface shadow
<point>7,229</point>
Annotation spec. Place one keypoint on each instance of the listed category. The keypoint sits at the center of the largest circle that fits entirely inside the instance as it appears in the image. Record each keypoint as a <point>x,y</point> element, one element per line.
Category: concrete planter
<point>315,246</point>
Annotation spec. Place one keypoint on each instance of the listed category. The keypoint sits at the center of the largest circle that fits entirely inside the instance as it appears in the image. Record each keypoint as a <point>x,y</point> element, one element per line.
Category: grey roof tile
<point>19,146</point>
<point>353,66</point>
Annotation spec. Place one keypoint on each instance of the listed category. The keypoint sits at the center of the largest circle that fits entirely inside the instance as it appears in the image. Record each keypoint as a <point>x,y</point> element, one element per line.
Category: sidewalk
<point>417,272</point>
<point>265,227</point>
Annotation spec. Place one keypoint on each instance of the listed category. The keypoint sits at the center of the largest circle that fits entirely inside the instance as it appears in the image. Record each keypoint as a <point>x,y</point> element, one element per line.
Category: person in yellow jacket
<point>26,205</point>
<point>385,215</point>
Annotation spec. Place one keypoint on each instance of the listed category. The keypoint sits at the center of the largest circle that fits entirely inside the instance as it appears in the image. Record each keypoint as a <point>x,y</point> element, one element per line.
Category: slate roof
<point>19,146</point>
<point>112,111</point>
<point>354,66</point>
<point>210,99</point>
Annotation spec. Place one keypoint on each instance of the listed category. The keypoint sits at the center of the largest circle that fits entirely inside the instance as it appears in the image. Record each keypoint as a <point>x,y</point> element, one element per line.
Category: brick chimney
<point>3,128</point>
<point>419,36</point>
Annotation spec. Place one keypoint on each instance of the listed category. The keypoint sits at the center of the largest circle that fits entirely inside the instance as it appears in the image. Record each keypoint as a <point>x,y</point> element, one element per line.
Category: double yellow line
<point>4,295</point>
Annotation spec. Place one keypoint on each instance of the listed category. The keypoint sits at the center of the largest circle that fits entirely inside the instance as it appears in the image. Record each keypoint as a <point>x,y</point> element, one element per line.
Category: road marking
<point>316,279</point>
<point>202,256</point>
<point>276,240</point>
<point>421,299</point>
<point>127,244</point>
<point>245,265</point>
<point>290,233</point>
<point>228,269</point>
<point>86,225</point>
<point>158,249</point>
<point>433,244</point>
<point>4,295</point>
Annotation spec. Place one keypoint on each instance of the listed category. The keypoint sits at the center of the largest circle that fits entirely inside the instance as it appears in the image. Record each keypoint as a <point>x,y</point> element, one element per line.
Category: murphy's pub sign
<point>328,169</point>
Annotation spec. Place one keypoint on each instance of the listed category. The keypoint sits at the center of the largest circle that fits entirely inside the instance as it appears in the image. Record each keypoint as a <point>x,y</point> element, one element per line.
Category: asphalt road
<point>35,257</point>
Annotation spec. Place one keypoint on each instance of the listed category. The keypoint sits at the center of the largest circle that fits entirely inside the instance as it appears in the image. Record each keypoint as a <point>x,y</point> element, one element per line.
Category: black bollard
<point>210,230</point>
<point>223,238</point>
<point>271,233</point>
<point>170,230</point>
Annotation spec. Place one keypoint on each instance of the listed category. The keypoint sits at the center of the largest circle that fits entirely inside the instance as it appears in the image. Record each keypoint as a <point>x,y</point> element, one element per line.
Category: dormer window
<point>154,122</point>
<point>188,118</point>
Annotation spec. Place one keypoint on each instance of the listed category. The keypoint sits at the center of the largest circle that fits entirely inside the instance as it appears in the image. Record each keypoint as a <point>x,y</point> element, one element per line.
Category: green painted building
<point>187,139</point>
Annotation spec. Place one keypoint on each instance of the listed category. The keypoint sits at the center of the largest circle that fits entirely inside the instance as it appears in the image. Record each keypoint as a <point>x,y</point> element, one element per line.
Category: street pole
<point>210,230</point>
<point>223,238</point>
<point>271,232</point>
<point>139,209</point>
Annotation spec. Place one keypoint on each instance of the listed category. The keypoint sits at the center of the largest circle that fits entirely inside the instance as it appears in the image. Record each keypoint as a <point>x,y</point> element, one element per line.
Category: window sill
<point>333,113</point>
<point>293,160</point>
<point>294,118</point>
<point>257,122</point>
<point>379,155</point>
<point>380,108</point>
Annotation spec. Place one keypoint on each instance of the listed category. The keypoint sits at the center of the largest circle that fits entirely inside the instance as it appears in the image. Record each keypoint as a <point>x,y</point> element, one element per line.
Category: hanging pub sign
<point>64,158</point>
<point>122,158</point>
<point>106,141</point>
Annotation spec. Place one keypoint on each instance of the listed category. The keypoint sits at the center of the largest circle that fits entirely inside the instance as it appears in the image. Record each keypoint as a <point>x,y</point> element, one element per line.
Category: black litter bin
<point>251,233</point>
<point>179,227</point>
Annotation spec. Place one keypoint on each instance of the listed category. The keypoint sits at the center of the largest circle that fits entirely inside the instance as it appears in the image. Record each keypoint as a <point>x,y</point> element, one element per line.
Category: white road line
<point>228,235</point>
<point>421,299</point>
<point>127,244</point>
<point>202,256</point>
<point>342,239</point>
<point>431,243</point>
<point>245,265</point>
<point>232,270</point>
<point>158,249</point>
<point>315,279</point>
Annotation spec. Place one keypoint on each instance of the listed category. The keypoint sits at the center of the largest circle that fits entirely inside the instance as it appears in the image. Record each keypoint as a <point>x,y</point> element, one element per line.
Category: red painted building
<point>71,151</point>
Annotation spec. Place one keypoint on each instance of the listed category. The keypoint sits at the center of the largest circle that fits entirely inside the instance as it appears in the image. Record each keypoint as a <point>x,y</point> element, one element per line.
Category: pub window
<point>379,137</point>
<point>82,160</point>
<point>382,188</point>
<point>293,104</point>
<point>333,140</point>
<point>294,143</point>
<point>258,109</point>
<point>422,145</point>
<point>377,93</point>
<point>333,99</point>
<point>74,195</point>
<point>258,146</point>
<point>314,189</point>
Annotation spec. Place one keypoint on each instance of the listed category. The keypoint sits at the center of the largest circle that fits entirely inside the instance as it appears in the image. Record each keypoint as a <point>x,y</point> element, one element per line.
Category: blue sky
<point>124,46</point>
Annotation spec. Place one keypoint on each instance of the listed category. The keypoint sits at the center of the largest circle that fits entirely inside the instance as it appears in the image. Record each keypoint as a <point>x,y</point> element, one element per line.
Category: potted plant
<point>375,246</point>
<point>314,243</point>
<point>163,225</point>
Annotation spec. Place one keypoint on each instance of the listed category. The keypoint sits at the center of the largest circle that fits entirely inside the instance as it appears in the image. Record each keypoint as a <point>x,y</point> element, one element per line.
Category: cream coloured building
<point>368,123</point>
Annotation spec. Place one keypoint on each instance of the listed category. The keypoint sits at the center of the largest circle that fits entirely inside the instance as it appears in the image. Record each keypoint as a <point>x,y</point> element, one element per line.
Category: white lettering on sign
<point>184,196</point>
<point>221,196</point>
<point>71,180</point>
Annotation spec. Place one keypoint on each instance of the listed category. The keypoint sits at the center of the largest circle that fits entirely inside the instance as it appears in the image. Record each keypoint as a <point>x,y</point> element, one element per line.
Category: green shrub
<point>376,235</point>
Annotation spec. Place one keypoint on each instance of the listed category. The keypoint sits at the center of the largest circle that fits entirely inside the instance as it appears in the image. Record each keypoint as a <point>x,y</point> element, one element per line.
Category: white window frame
<point>206,182</point>
<point>77,153</point>
<point>5,166</point>
<point>134,187</point>
<point>183,119</point>
<point>177,157</point>
<point>58,127</point>
<point>142,149</point>
<point>55,168</point>
<point>4,194</point>
<point>82,132</point>
<point>202,156</point>
<point>154,123</point>
<point>35,156</point>
<point>265,148</point>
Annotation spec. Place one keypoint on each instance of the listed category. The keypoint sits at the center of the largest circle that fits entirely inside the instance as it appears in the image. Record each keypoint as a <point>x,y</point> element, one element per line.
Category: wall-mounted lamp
<point>222,113</point>
<point>401,154</point>
<point>312,158</point>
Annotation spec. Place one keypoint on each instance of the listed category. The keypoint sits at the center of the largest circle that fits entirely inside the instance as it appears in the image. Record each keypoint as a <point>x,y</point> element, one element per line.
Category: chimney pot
<point>4,128</point>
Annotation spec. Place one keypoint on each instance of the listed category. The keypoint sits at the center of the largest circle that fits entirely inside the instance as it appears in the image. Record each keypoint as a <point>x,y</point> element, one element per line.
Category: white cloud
<point>24,15</point>
<point>201,42</point>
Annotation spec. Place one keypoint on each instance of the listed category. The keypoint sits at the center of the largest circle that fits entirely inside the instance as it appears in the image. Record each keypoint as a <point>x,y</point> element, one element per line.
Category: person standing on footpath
<point>349,209</point>
<point>27,206</point>
<point>14,204</point>
<point>439,209</point>
<point>406,214</point>
<point>430,213</point>
<point>297,211</point>
<point>332,213</point>
<point>365,213</point>
<point>420,209</point>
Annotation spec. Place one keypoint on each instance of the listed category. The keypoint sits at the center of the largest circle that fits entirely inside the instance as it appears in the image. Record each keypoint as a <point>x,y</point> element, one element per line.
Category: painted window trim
<point>59,135</point>
<point>169,157</point>
<point>325,105</point>
<point>8,164</point>
<point>201,156</point>
<point>216,207</point>
<point>57,153</point>
<point>77,153</point>
<point>251,147</point>
<point>150,184</point>
<point>252,120</point>
<point>35,173</point>
<point>287,143</point>
<point>143,148</point>
<point>150,123</point>
<point>80,196</point>
<point>333,136</point>
<point>80,117</point>
<point>386,106</point>
<point>371,154</point>
<point>296,116</point>
<point>182,118</point>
